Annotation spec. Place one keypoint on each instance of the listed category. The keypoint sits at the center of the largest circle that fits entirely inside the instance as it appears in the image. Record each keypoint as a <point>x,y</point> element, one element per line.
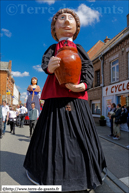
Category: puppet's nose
<point>67,21</point>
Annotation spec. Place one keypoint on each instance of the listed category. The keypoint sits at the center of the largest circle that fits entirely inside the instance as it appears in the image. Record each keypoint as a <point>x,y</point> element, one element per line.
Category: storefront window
<point>96,108</point>
<point>123,99</point>
<point>115,71</point>
<point>108,106</point>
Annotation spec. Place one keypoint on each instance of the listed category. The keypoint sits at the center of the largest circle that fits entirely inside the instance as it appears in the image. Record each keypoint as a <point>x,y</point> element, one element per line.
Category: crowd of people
<point>14,115</point>
<point>118,115</point>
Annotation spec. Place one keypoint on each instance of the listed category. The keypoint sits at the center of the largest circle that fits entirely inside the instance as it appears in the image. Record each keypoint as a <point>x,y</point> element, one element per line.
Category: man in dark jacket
<point>123,117</point>
<point>117,114</point>
<point>117,117</point>
<point>113,109</point>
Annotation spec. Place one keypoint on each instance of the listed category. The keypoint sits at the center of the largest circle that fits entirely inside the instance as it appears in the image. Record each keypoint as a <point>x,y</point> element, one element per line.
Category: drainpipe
<point>102,62</point>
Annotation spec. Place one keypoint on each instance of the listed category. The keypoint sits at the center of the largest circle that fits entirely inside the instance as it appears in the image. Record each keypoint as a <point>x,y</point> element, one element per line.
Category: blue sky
<point>25,31</point>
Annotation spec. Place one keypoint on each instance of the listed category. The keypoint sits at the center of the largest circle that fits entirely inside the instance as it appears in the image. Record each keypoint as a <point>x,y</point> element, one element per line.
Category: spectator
<point>128,117</point>
<point>12,118</point>
<point>116,128</point>
<point>5,115</point>
<point>33,115</point>
<point>18,116</point>
<point>111,112</point>
<point>41,106</point>
<point>125,109</point>
<point>123,117</point>
<point>23,112</point>
<point>0,121</point>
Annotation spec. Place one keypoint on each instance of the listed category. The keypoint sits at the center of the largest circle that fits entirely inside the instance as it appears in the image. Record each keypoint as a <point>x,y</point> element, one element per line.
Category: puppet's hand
<point>53,64</point>
<point>76,88</point>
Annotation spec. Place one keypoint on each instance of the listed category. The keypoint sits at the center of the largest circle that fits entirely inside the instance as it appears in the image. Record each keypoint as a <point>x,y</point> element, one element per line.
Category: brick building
<point>111,72</point>
<point>6,82</point>
<point>95,93</point>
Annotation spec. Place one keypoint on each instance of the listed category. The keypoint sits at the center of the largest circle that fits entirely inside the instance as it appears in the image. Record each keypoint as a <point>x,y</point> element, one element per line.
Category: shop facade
<point>111,75</point>
<point>116,93</point>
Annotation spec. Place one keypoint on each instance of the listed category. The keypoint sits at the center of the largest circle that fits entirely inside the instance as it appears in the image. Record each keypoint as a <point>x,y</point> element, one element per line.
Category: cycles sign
<point>121,87</point>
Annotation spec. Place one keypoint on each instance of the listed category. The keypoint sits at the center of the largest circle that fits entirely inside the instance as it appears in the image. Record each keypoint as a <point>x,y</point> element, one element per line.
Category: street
<point>14,147</point>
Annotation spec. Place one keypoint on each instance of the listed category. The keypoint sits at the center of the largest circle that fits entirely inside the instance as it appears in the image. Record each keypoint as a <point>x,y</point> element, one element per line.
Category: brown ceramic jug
<point>70,66</point>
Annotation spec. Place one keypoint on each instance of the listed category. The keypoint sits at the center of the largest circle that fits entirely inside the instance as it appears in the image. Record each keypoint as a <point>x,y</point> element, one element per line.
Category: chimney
<point>10,65</point>
<point>127,20</point>
<point>106,39</point>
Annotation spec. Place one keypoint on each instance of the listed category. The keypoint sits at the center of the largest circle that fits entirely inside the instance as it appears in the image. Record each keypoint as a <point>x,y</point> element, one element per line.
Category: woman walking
<point>12,118</point>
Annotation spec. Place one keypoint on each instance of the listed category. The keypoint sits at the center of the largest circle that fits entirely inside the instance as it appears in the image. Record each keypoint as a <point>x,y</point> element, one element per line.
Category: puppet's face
<point>34,81</point>
<point>65,26</point>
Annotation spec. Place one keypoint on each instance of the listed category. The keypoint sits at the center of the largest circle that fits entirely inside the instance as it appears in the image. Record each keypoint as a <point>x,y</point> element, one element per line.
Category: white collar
<point>66,38</point>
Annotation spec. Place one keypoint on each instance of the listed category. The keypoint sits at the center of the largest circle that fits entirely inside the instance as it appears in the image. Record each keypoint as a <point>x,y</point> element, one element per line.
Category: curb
<point>113,142</point>
<point>116,181</point>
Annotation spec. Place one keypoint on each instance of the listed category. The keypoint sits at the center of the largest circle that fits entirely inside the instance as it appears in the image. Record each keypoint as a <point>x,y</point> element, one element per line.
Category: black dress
<point>65,148</point>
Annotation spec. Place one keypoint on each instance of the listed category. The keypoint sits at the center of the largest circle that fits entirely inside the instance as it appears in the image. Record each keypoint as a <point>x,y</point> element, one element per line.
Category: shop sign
<point>121,87</point>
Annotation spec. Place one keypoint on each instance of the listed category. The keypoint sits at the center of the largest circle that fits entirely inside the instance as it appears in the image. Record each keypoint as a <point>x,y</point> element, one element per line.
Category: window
<point>96,110</point>
<point>115,71</point>
<point>123,99</point>
<point>97,78</point>
<point>3,97</point>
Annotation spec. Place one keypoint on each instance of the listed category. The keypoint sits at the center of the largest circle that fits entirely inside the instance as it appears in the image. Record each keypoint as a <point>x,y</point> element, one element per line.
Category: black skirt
<point>65,148</point>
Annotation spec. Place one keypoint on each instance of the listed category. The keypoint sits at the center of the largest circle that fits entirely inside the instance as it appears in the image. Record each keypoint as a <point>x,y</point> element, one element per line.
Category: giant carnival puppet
<point>65,148</point>
<point>33,94</point>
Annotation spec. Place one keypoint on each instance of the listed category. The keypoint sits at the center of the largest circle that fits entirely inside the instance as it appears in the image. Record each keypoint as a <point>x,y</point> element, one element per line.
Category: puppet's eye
<point>62,17</point>
<point>71,17</point>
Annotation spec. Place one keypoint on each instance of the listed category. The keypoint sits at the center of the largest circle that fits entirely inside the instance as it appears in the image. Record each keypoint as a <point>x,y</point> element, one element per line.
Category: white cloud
<point>6,32</point>
<point>23,95</point>
<point>19,74</point>
<point>46,1</point>
<point>18,87</point>
<point>114,19</point>
<point>38,68</point>
<point>87,15</point>
<point>50,19</point>
<point>44,45</point>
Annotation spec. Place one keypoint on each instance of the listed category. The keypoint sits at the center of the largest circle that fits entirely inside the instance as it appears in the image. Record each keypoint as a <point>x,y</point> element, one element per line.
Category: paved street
<point>117,156</point>
<point>14,147</point>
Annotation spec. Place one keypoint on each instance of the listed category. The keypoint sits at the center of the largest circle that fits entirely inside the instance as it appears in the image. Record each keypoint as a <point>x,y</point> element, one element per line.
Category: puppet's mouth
<point>67,28</point>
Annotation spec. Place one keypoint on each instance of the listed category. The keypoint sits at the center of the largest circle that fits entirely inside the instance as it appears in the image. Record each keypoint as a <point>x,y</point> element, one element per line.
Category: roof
<point>107,46</point>
<point>95,46</point>
<point>4,65</point>
<point>95,49</point>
